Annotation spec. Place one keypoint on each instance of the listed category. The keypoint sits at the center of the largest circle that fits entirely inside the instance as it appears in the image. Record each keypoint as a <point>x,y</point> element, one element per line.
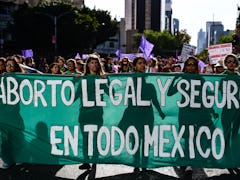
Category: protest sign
<point>146,120</point>
<point>218,52</point>
<point>187,50</point>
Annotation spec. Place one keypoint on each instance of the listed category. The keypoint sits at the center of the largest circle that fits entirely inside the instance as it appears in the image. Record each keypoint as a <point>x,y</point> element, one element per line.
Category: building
<point>6,9</point>
<point>214,29</point>
<point>110,46</point>
<point>168,17</point>
<point>175,26</point>
<point>143,15</point>
<point>201,41</point>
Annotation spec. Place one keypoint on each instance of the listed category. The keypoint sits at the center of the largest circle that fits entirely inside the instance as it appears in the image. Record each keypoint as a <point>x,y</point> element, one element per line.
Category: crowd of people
<point>95,65</point>
<point>76,66</point>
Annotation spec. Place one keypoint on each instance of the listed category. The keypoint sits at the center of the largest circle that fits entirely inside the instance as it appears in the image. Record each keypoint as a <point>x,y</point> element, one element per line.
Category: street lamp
<point>54,18</point>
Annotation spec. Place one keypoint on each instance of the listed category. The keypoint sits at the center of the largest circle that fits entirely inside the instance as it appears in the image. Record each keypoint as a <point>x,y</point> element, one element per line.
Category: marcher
<point>231,63</point>
<point>71,67</point>
<point>142,115</point>
<point>6,147</point>
<point>54,69</point>
<point>176,68</point>
<point>185,113</point>
<point>61,63</point>
<point>208,69</point>
<point>2,65</point>
<point>219,68</point>
<point>12,65</point>
<point>152,65</point>
<point>88,115</point>
<point>124,66</point>
<point>80,66</point>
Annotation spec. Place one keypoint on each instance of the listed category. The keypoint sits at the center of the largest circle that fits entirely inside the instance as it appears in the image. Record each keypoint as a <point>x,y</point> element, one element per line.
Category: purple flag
<point>27,53</point>
<point>118,53</point>
<point>84,56</point>
<point>146,47</point>
<point>77,56</point>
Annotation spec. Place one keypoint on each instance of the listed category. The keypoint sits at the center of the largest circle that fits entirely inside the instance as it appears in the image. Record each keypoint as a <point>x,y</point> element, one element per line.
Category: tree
<point>226,38</point>
<point>165,44</point>
<point>78,30</point>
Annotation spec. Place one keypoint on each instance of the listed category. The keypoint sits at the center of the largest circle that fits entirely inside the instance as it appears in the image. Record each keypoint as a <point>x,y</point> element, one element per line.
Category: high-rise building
<point>145,14</point>
<point>168,17</point>
<point>175,26</point>
<point>213,31</point>
<point>201,41</point>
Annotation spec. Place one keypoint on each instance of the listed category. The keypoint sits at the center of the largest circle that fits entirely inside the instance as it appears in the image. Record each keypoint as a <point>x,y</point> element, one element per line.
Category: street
<point>106,172</point>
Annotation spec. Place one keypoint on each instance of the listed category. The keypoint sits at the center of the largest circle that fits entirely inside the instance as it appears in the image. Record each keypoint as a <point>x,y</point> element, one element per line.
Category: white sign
<point>218,52</point>
<point>187,50</point>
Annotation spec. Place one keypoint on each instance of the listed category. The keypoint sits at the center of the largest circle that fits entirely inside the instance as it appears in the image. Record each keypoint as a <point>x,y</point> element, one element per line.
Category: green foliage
<point>78,30</point>
<point>226,38</point>
<point>203,55</point>
<point>165,44</point>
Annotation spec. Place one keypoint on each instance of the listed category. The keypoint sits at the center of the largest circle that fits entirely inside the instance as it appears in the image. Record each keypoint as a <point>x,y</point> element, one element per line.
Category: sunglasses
<point>10,65</point>
<point>229,61</point>
<point>190,64</point>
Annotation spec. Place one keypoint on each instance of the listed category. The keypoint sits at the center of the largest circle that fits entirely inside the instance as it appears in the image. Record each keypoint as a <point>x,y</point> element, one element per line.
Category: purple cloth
<point>146,47</point>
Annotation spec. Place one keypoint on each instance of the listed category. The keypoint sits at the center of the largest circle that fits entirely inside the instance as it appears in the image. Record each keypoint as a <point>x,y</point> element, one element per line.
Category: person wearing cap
<point>228,115</point>
<point>80,66</point>
<point>219,68</point>
<point>61,63</point>
<point>176,68</point>
<point>71,67</point>
<point>231,63</point>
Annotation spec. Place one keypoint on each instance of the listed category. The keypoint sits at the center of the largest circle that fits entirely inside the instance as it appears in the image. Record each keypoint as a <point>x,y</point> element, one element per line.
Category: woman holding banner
<point>231,117</point>
<point>91,115</point>
<point>138,116</point>
<point>12,125</point>
<point>187,115</point>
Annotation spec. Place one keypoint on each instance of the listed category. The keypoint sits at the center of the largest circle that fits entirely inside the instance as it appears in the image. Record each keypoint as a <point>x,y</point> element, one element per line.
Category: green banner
<point>146,120</point>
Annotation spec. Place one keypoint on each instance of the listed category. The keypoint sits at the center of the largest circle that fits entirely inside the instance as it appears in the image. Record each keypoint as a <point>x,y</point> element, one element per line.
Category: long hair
<point>16,65</point>
<point>100,68</point>
<point>195,64</point>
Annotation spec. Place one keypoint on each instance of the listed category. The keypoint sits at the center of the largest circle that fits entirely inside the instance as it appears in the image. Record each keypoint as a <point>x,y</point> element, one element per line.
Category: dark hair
<point>2,59</point>
<point>231,55</point>
<point>51,66</point>
<point>93,57</point>
<point>176,65</point>
<point>58,58</point>
<point>16,65</point>
<point>136,59</point>
<point>122,64</point>
<point>195,64</point>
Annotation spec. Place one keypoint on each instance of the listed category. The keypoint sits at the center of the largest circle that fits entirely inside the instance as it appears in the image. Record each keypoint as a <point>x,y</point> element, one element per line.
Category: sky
<point>192,14</point>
